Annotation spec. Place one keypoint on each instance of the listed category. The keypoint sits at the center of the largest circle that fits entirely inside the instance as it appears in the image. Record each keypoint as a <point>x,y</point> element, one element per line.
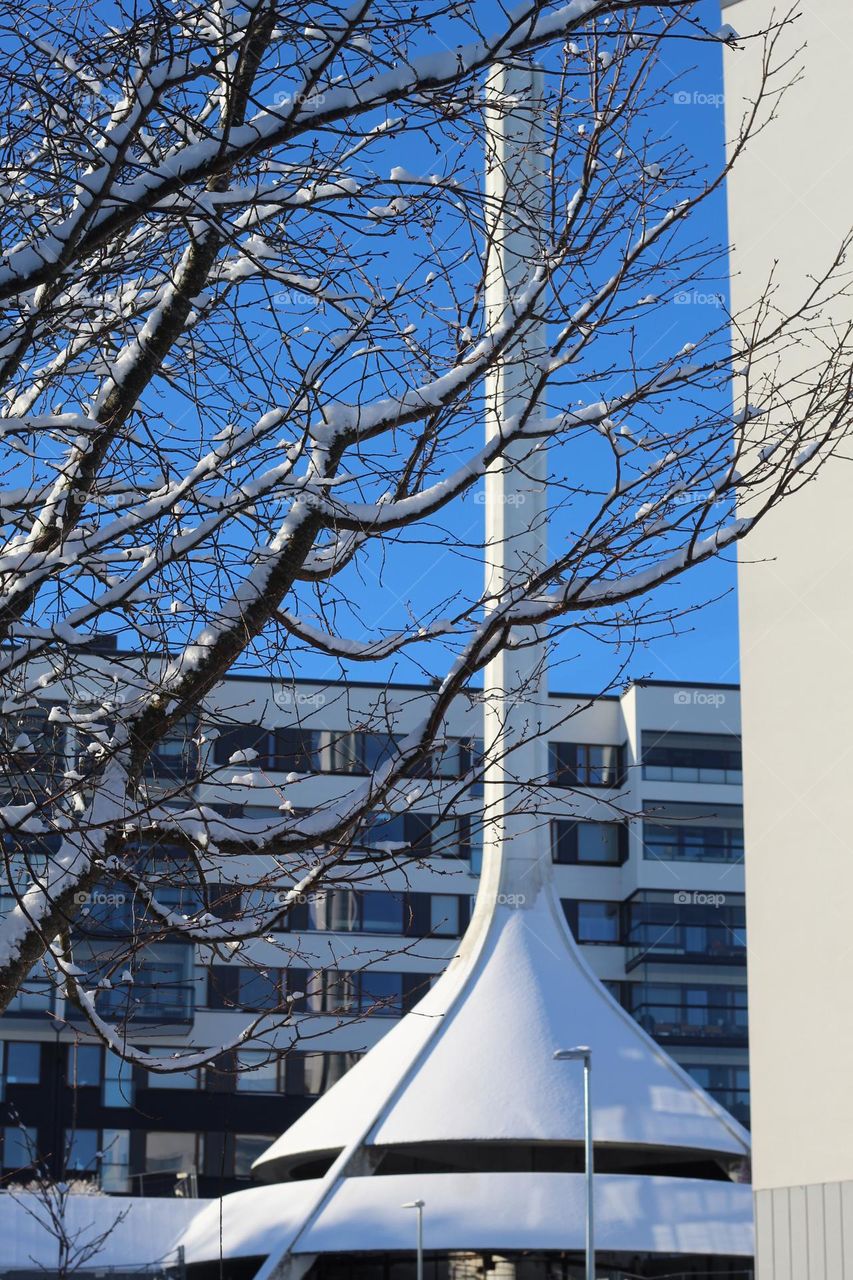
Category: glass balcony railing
<point>692,1024</point>
<point>663,943</point>
<point>152,1000</point>
<point>692,773</point>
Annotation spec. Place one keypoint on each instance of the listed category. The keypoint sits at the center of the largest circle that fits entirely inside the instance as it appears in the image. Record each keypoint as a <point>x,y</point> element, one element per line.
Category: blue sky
<point>705,645</point>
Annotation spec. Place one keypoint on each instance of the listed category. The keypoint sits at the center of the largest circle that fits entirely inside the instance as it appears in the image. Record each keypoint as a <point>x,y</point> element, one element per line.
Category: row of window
<point>35,744</point>
<point>89,1066</point>
<point>371,991</point>
<point>665,755</point>
<point>167,1156</point>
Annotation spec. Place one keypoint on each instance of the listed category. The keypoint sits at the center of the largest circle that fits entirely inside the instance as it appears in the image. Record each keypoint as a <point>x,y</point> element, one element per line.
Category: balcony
<point>685,928</point>
<point>685,944</point>
<point>690,1015</point>
<point>692,757</point>
<point>684,1024</point>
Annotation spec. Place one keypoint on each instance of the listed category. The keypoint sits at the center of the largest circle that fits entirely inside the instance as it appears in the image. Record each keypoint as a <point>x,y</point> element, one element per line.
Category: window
<point>594,922</point>
<point>32,748</point>
<point>693,832</point>
<point>257,1072</point>
<point>593,843</point>
<point>35,995</point>
<point>688,1014</point>
<point>261,989</point>
<point>381,912</point>
<point>432,836</point>
<point>115,1160</point>
<point>248,1147</point>
<point>117,1090</point>
<point>576,764</point>
<point>20,1146</point>
<point>81,1148</point>
<point>664,926</point>
<point>23,1062</point>
<point>311,1074</point>
<point>172,1152</point>
<point>692,757</point>
<point>375,991</point>
<point>243,738</point>
<point>175,757</point>
<point>84,1066</point>
<point>357,911</point>
<point>381,992</point>
<point>729,1085</point>
<point>444,915</point>
<point>296,750</point>
<point>171,1079</point>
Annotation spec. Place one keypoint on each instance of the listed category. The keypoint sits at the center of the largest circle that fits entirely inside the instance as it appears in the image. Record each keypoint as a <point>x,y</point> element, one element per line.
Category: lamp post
<point>419,1206</point>
<point>583,1054</point>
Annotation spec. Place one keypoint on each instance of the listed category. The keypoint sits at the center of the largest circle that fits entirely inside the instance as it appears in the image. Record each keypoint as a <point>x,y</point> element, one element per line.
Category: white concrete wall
<point>791,201</point>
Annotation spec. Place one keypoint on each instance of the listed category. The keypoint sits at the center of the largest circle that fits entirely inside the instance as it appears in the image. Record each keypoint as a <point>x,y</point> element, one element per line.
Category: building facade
<point>645,832</point>
<point>790,207</point>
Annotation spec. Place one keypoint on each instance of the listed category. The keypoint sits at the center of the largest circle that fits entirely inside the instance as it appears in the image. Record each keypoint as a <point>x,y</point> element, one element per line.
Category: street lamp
<point>583,1054</point>
<point>419,1205</point>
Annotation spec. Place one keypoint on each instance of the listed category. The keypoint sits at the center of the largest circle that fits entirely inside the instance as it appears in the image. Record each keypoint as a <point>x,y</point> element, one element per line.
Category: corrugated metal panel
<point>805,1233</point>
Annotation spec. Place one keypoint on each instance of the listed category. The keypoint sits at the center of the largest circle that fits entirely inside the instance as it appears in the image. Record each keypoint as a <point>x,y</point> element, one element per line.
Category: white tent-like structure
<point>462,1104</point>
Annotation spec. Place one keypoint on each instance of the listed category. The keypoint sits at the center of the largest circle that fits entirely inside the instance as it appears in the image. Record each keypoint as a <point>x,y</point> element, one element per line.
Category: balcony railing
<point>151,1000</point>
<point>692,1024</point>
<point>692,773</point>
<point>660,943</point>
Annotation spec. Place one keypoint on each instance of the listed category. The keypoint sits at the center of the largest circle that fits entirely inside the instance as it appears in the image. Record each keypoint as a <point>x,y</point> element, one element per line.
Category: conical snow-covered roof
<point>474,1060</point>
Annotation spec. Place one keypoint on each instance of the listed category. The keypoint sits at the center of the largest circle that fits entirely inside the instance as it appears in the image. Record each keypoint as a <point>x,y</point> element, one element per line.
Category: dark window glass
<point>248,1147</point>
<point>577,764</point>
<point>242,738</point>
<point>311,1074</point>
<point>175,757</point>
<point>260,989</point>
<point>296,750</point>
<point>598,922</point>
<point>23,1062</point>
<point>592,843</point>
<point>692,757</point>
<point>81,1146</point>
<point>381,992</point>
<point>687,1013</point>
<point>20,1146</point>
<point>381,912</point>
<point>692,842</point>
<point>84,1065</point>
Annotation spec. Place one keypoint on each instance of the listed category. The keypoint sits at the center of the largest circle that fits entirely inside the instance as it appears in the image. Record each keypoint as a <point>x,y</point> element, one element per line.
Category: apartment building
<point>641,815</point>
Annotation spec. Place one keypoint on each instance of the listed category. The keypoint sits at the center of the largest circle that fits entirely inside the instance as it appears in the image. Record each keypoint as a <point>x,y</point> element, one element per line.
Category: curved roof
<point>481,1212</point>
<point>481,1067</point>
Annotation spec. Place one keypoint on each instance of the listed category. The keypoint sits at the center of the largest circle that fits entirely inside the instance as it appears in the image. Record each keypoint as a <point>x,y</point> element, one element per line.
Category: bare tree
<point>244,349</point>
<point>48,1201</point>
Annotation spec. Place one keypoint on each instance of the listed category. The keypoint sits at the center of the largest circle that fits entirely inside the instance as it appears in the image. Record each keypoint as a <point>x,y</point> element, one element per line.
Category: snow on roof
<point>482,1211</point>
<point>474,1060</point>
